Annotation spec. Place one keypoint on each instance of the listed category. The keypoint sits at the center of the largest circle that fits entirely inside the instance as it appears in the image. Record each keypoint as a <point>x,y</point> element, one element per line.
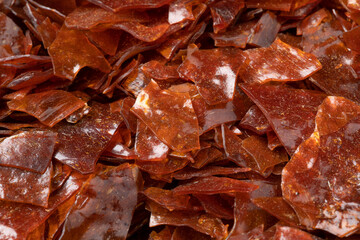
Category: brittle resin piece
<point>81,144</point>
<point>224,12</point>
<point>49,107</point>
<point>31,150</point>
<point>214,72</point>
<point>147,146</point>
<point>278,62</point>
<point>201,222</point>
<point>11,35</point>
<point>290,112</point>
<point>115,5</point>
<point>170,115</point>
<point>105,206</point>
<point>213,185</point>
<point>321,180</point>
<point>71,51</point>
<point>22,186</point>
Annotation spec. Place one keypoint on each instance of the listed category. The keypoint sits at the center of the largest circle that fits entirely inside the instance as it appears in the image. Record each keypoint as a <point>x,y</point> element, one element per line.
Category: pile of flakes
<point>179,119</point>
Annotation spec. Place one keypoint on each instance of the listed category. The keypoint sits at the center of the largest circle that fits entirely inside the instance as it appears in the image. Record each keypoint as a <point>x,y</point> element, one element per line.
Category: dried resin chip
<point>351,39</point>
<point>213,71</point>
<point>81,144</point>
<point>145,32</point>
<point>105,205</point>
<point>210,116</point>
<point>265,31</point>
<point>214,185</point>
<point>60,174</point>
<point>236,36</point>
<point>123,106</point>
<point>166,166</point>
<point>285,232</point>
<point>49,107</point>
<point>201,222</point>
<point>19,219</point>
<point>170,116</point>
<point>56,220</point>
<point>167,199</point>
<point>160,71</point>
<point>320,181</point>
<point>188,173</point>
<point>310,24</point>
<point>279,208</point>
<point>281,5</point>
<point>147,146</point>
<point>71,51</point>
<point>24,61</point>
<point>30,78</point>
<point>11,35</point>
<point>253,156</point>
<point>116,6</point>
<point>290,112</point>
<point>31,150</point>
<point>224,12</point>
<point>279,62</point>
<point>255,121</point>
<point>215,205</point>
<point>206,156</point>
<point>90,17</point>
<point>107,40</point>
<point>256,147</point>
<point>165,234</point>
<point>25,187</point>
<point>47,31</point>
<point>181,10</point>
<point>337,76</point>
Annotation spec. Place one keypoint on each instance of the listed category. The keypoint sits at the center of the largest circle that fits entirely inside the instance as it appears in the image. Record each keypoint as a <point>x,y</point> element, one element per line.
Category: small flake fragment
<point>279,62</point>
<point>163,110</point>
<point>49,107</point>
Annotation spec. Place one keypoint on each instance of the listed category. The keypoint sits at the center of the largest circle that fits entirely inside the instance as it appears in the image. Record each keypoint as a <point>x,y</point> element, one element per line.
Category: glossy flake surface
<point>30,150</point>
<point>279,62</point>
<point>115,5</point>
<point>163,110</point>
<point>213,185</point>
<point>148,146</point>
<point>24,186</point>
<point>320,181</point>
<point>81,144</point>
<point>49,107</point>
<point>213,71</point>
<point>290,112</point>
<point>105,205</point>
<point>204,223</point>
<point>224,12</point>
<point>20,219</point>
<point>72,51</point>
<point>167,198</point>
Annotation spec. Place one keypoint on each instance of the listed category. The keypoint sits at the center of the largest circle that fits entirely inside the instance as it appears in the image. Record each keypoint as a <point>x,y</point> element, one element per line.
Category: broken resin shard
<point>321,180</point>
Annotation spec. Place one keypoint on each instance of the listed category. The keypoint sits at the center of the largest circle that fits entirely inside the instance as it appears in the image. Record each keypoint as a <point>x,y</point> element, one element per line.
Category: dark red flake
<point>110,195</point>
<point>81,144</point>
<point>30,150</point>
<point>49,107</point>
<point>279,62</point>
<point>213,71</point>
<point>320,181</point>
<point>170,116</point>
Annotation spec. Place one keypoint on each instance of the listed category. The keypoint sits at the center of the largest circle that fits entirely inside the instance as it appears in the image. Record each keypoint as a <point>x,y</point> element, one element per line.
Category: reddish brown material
<point>315,200</point>
<point>49,107</point>
<point>153,104</point>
